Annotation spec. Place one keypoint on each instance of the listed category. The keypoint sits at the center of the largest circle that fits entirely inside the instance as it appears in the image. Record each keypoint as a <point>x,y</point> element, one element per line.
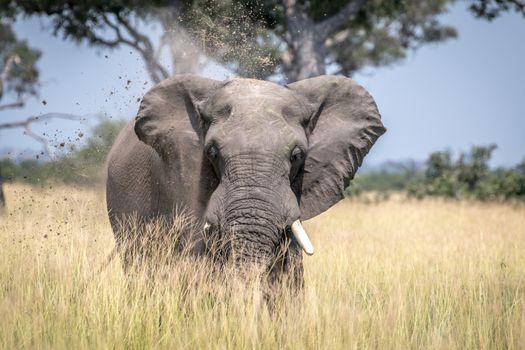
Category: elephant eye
<point>212,152</point>
<point>224,111</point>
<point>297,155</point>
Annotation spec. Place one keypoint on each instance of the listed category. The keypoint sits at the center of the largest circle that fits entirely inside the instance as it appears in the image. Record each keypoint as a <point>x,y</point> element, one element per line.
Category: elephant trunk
<point>255,229</point>
<point>258,206</point>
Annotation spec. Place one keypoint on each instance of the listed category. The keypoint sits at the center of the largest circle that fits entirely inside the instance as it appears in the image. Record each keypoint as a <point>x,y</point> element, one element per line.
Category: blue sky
<point>468,91</point>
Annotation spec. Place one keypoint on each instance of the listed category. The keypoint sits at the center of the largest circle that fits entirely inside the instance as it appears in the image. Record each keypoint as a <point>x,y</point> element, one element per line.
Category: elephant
<point>245,156</point>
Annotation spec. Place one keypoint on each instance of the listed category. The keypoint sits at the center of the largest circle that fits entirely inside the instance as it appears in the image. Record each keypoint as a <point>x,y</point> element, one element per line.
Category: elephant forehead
<point>263,130</point>
<point>256,123</point>
<point>255,99</point>
<point>237,90</point>
<point>262,114</point>
<point>250,84</point>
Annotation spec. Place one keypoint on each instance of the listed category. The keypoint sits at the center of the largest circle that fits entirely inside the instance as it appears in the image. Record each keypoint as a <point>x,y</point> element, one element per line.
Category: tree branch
<point>9,63</point>
<point>4,76</point>
<point>28,123</point>
<point>340,18</point>
<point>18,104</point>
<point>132,38</point>
<point>155,69</point>
<point>95,39</point>
<point>163,41</point>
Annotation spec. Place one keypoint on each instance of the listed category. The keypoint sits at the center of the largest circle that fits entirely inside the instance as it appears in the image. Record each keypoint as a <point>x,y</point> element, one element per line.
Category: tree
<point>282,39</point>
<point>2,197</point>
<point>19,81</point>
<point>490,9</point>
<point>469,176</point>
<point>473,169</point>
<point>78,164</point>
<point>291,38</point>
<point>18,75</point>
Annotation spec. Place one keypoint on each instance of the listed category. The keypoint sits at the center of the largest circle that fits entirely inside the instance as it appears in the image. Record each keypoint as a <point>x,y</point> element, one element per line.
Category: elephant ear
<point>168,113</point>
<point>342,130</point>
<point>169,121</point>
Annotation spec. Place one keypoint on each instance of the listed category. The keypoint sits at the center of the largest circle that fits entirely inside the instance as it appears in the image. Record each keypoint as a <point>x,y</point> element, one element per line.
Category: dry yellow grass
<point>391,275</point>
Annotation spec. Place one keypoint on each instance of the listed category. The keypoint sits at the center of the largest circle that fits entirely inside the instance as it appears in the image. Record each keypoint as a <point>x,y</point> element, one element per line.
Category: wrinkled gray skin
<point>247,156</point>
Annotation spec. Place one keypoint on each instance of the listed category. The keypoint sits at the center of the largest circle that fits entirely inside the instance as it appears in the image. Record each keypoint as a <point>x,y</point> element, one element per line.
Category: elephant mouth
<point>296,229</point>
<point>284,256</point>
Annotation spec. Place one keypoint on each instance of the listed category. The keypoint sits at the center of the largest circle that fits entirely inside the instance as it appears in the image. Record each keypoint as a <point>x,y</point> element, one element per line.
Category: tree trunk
<point>2,197</point>
<point>306,53</point>
<point>185,54</point>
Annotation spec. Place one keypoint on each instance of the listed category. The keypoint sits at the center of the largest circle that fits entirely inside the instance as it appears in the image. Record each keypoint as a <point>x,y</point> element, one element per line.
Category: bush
<point>469,177</point>
<point>78,166</point>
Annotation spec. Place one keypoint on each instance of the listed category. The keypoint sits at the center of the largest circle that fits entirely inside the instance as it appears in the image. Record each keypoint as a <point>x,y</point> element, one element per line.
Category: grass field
<point>397,274</point>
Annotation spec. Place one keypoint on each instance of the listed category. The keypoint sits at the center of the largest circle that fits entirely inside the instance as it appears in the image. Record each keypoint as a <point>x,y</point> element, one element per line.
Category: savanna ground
<point>395,274</point>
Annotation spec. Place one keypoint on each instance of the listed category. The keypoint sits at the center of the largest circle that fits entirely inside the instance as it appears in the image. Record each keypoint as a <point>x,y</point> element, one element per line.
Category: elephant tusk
<point>206,226</point>
<point>302,237</point>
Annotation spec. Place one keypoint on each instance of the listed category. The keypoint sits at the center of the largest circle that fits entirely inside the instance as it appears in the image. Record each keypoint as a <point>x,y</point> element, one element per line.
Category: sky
<point>448,96</point>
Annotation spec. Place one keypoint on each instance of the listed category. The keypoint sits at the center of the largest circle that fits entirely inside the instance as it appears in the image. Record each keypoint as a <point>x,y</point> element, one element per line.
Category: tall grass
<point>392,275</point>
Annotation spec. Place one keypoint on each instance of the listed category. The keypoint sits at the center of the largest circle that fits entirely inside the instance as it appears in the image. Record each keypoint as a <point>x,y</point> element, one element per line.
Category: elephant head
<point>264,156</point>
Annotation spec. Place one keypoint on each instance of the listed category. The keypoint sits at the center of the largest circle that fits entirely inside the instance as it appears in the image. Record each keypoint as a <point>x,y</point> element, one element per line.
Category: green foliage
<point>380,33</point>
<point>80,166</point>
<point>490,9</point>
<point>392,177</point>
<point>383,32</point>
<point>237,34</point>
<point>383,181</point>
<point>469,176</point>
<point>22,73</point>
<point>252,37</point>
